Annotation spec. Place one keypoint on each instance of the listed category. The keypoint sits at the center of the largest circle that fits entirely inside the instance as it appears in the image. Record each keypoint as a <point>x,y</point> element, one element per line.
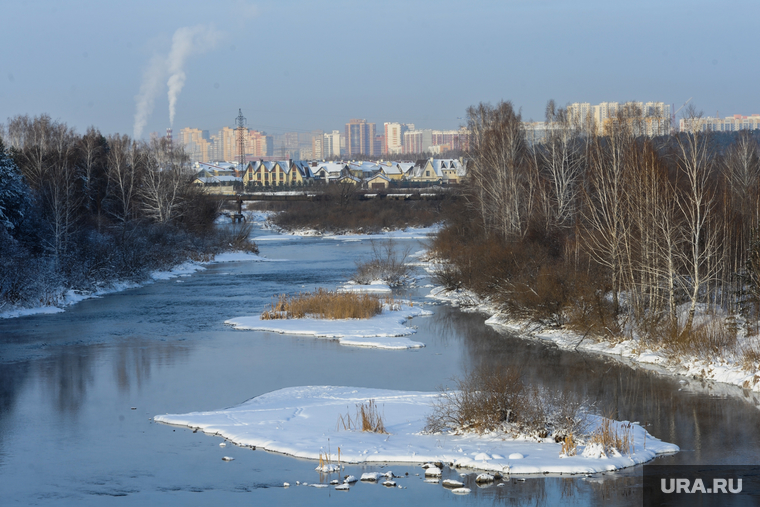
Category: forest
<point>610,232</point>
<point>78,212</point>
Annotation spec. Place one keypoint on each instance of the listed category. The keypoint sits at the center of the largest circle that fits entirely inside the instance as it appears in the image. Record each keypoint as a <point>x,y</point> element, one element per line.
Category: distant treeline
<point>610,233</point>
<point>78,211</point>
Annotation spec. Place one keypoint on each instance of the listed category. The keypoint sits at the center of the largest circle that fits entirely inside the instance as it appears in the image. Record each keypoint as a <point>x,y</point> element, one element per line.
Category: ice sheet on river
<point>299,421</point>
<point>385,331</point>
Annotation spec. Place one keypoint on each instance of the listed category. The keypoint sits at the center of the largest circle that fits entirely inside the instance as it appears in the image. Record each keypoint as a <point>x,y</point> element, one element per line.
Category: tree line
<point>78,211</point>
<point>607,230</point>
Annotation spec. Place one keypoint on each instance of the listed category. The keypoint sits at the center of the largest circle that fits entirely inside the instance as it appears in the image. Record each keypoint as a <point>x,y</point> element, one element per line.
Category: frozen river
<point>78,390</point>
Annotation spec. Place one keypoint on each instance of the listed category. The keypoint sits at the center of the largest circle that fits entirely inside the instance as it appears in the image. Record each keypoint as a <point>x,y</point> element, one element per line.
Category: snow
<point>374,287</point>
<point>385,331</point>
<point>302,421</point>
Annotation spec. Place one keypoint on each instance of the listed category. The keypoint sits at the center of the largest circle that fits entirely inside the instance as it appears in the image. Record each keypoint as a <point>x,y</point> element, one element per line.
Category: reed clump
<point>324,304</point>
<point>613,437</point>
<point>367,418</point>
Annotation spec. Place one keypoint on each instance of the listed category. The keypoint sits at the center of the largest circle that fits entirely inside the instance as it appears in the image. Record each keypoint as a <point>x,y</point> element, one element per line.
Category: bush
<point>486,400</point>
<point>387,264</point>
<point>324,304</point>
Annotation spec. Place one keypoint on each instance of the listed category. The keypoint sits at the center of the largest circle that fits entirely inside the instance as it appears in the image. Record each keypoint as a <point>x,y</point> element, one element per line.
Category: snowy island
<point>385,331</point>
<point>305,422</point>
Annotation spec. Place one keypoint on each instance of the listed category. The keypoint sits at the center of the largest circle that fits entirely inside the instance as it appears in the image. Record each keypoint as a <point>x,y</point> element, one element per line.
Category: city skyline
<point>105,64</point>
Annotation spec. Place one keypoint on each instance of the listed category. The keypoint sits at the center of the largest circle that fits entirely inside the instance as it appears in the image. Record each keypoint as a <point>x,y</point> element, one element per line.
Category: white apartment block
<point>656,115</point>
<point>332,144</point>
<point>394,138</point>
<point>733,123</point>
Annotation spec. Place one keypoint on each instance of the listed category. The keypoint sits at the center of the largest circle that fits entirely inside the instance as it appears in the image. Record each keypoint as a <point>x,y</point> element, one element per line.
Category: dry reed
<point>614,437</point>
<point>568,446</point>
<point>367,418</point>
<point>324,304</point>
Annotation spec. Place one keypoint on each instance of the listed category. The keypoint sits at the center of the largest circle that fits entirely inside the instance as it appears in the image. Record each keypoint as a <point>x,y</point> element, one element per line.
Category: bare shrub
<point>367,418</point>
<point>388,263</point>
<point>482,401</point>
<point>706,338</point>
<point>237,237</point>
<point>324,304</point>
<point>496,399</point>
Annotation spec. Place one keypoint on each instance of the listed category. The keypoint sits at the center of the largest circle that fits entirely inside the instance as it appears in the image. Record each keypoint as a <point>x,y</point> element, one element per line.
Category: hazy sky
<point>302,65</point>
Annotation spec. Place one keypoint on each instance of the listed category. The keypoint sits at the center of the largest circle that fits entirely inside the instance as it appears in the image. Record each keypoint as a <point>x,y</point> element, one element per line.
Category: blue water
<point>78,390</point>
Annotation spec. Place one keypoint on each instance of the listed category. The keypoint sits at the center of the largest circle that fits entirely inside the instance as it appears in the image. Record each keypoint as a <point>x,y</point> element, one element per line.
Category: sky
<point>299,65</point>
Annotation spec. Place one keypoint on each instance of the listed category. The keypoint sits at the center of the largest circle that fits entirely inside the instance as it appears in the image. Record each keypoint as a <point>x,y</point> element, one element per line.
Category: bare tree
<point>122,161</point>
<point>696,203</point>
<point>502,176</point>
<point>562,164</point>
<point>166,176</point>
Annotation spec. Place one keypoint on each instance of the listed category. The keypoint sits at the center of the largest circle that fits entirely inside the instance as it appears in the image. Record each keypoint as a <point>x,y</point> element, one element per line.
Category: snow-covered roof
<point>365,167</point>
<point>379,176</point>
<point>207,180</point>
<point>394,169</point>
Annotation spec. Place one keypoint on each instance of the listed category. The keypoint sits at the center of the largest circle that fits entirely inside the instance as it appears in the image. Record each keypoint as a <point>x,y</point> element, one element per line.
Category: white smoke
<point>152,82</point>
<point>185,42</point>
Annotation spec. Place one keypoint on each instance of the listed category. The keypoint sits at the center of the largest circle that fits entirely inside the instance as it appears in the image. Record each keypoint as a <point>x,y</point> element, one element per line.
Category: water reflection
<point>68,374</point>
<point>136,357</point>
<point>675,410</point>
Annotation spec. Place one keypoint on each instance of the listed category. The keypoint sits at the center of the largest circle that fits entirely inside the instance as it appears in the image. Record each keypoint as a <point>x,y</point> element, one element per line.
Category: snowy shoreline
<point>627,351</point>
<point>304,422</point>
<point>72,297</point>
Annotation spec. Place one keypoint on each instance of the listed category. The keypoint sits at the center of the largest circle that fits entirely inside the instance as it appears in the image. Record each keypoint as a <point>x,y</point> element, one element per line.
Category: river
<point>78,390</point>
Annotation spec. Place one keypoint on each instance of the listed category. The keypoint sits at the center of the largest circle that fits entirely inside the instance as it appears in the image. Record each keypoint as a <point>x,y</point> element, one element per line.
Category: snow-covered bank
<point>386,234</point>
<point>630,351</point>
<point>385,331</point>
<point>374,287</point>
<point>71,297</point>
<point>303,422</point>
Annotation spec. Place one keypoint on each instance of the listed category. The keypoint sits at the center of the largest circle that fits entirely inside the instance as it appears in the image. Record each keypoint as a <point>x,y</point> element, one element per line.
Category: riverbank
<point>725,370</point>
<point>70,297</point>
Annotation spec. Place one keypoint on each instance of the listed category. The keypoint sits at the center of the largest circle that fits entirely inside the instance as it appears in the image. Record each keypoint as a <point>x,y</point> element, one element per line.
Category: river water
<point>78,390</point>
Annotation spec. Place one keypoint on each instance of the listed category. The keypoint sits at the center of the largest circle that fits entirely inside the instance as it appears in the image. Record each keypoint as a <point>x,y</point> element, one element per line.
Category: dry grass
<point>714,335</point>
<point>569,446</point>
<point>613,437</point>
<point>324,304</point>
<point>750,356</point>
<point>367,418</point>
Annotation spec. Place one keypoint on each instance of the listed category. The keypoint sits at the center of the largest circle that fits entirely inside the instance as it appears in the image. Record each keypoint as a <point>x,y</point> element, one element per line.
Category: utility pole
<point>240,122</point>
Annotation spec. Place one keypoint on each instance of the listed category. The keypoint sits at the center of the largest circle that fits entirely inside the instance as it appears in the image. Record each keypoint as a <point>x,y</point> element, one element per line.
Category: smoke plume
<point>186,42</point>
<point>152,83</point>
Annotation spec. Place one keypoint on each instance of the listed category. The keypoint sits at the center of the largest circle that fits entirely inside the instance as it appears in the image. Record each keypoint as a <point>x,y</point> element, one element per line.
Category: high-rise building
<point>733,123</point>
<point>655,115</point>
<point>360,138</point>
<point>332,144</point>
<point>317,144</point>
<point>196,144</point>
<point>259,144</point>
<point>418,141</point>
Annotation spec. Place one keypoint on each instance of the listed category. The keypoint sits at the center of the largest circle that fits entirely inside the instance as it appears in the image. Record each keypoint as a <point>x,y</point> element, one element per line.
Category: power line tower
<point>240,122</point>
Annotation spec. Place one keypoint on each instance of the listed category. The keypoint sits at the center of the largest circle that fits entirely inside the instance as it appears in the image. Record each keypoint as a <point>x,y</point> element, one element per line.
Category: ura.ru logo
<point>698,486</point>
